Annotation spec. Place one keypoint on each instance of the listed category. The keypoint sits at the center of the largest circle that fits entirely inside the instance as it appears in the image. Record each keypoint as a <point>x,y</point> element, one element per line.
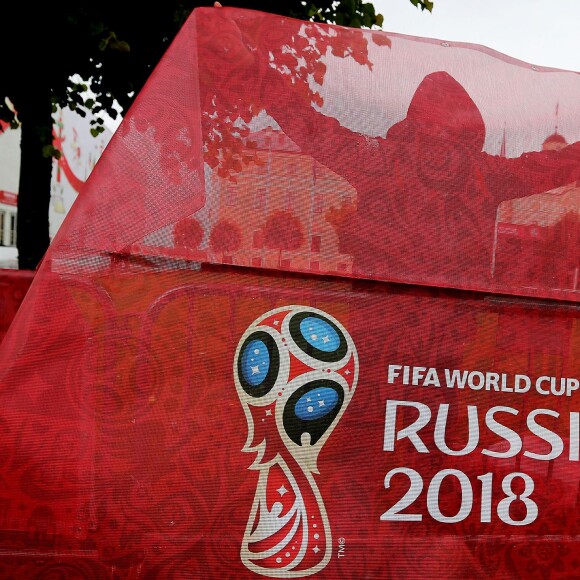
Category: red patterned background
<point>415,201</point>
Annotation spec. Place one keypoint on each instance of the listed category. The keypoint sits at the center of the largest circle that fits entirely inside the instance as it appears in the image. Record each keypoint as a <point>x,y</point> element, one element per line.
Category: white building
<point>9,174</point>
<point>80,152</point>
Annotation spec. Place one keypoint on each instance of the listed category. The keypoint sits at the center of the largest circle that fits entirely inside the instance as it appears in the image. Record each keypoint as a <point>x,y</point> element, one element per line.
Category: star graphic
<point>316,549</point>
<point>268,412</point>
<point>255,370</point>
<point>325,339</point>
<point>347,372</point>
<point>276,322</point>
<point>282,490</point>
<point>321,403</point>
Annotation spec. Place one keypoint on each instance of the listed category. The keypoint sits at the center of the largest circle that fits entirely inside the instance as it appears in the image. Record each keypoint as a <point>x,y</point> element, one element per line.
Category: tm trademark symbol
<point>341,547</point>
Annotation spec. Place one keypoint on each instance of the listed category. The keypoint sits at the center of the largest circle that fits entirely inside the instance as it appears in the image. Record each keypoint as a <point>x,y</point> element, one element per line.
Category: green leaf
<point>423,4</point>
<point>312,11</point>
<point>112,42</point>
<point>355,22</point>
<point>120,45</point>
<point>51,151</point>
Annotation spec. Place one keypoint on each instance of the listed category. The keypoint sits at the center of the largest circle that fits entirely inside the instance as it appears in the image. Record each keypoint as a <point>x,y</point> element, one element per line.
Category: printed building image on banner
<point>408,179</point>
<point>316,317</point>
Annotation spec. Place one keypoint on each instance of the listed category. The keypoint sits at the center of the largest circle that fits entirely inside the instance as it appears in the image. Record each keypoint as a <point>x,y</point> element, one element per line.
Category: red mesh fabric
<point>217,372</point>
<point>303,147</point>
<point>13,287</point>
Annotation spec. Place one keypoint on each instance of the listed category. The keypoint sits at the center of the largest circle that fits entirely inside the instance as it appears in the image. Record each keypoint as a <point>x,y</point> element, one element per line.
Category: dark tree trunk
<point>32,233</point>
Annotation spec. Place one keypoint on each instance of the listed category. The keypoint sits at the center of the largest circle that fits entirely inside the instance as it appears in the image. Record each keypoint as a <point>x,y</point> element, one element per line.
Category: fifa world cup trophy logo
<point>295,371</point>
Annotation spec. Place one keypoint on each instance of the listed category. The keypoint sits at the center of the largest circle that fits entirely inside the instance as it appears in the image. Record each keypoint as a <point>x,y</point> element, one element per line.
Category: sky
<point>540,32</point>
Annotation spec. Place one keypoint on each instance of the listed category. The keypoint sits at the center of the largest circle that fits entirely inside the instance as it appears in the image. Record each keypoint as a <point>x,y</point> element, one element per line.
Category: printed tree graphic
<point>225,237</point>
<point>297,52</point>
<point>283,232</point>
<point>187,233</point>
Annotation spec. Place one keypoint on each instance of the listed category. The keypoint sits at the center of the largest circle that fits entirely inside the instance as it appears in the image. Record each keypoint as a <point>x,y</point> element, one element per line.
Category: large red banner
<point>216,424</point>
<point>313,314</point>
<point>13,287</point>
